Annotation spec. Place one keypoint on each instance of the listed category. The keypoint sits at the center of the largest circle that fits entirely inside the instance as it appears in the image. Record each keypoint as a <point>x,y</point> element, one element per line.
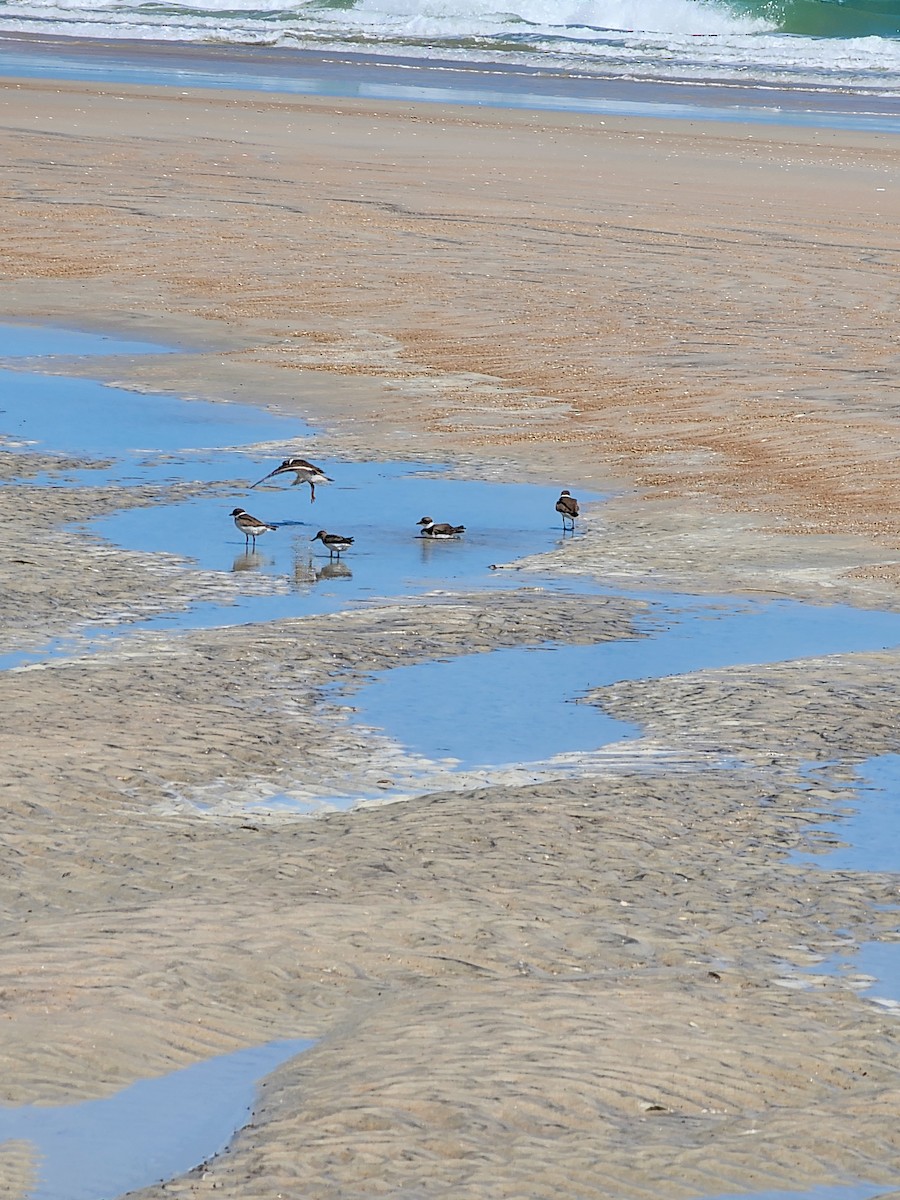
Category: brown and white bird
<point>334,543</point>
<point>440,530</point>
<point>567,507</point>
<point>249,526</point>
<point>304,472</point>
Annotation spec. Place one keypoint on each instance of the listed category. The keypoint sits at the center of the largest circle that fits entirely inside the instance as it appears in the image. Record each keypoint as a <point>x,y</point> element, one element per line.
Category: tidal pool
<point>872,832</point>
<point>155,438</point>
<point>148,1132</point>
<point>870,841</point>
<point>51,342</point>
<point>376,503</point>
<point>846,1191</point>
<point>526,708</point>
<point>872,969</point>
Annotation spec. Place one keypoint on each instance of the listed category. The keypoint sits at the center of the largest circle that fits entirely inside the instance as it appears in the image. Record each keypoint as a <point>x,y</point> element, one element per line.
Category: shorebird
<point>305,472</point>
<point>334,543</point>
<point>249,526</point>
<point>442,530</point>
<point>567,507</point>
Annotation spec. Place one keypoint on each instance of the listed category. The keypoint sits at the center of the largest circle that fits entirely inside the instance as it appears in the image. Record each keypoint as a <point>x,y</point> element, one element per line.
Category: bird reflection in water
<point>429,547</point>
<point>307,573</point>
<point>250,560</point>
<point>334,570</point>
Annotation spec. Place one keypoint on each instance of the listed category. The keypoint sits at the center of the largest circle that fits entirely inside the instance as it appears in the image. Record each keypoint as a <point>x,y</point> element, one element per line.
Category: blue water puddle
<point>848,1191</point>
<point>523,697</point>
<point>481,709</point>
<point>378,504</point>
<point>517,705</point>
<point>871,842</point>
<point>62,415</point>
<point>147,1133</point>
<point>49,342</point>
<point>872,968</point>
<point>872,832</point>
<point>388,558</point>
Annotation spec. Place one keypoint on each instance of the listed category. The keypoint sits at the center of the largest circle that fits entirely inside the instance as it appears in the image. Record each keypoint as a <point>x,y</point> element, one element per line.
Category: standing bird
<point>334,543</point>
<point>305,472</point>
<point>567,507</point>
<point>249,526</point>
<point>443,530</point>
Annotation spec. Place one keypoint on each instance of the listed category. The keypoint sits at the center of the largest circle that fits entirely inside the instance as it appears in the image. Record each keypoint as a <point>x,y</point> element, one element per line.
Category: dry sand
<point>583,986</point>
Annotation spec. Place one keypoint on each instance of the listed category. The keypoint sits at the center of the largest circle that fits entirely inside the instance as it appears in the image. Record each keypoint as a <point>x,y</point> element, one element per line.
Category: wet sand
<point>579,987</point>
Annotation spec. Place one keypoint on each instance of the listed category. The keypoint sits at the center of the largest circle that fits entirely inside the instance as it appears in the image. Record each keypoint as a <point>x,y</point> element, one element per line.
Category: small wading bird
<point>443,530</point>
<point>334,543</point>
<point>567,507</point>
<point>249,526</point>
<point>305,472</point>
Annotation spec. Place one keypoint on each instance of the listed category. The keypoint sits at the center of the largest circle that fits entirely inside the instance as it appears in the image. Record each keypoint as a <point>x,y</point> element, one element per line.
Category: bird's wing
<point>265,477</point>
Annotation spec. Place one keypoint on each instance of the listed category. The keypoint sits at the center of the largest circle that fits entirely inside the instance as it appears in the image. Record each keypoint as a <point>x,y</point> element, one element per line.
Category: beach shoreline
<point>378,75</point>
<point>582,987</point>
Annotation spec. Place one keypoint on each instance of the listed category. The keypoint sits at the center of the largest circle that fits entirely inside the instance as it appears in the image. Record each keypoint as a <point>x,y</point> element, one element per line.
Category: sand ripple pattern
<point>574,985</point>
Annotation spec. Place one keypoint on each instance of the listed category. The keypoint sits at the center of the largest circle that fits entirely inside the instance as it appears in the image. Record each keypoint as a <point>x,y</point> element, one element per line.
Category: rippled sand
<point>577,987</point>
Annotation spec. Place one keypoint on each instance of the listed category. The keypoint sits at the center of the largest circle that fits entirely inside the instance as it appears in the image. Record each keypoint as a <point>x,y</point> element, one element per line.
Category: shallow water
<point>50,342</point>
<point>870,838</point>
<point>55,414</point>
<point>701,41</point>
<point>872,832</point>
<point>378,504</point>
<point>872,968</point>
<point>147,1133</point>
<point>719,79</point>
<point>849,1191</point>
<point>525,710</point>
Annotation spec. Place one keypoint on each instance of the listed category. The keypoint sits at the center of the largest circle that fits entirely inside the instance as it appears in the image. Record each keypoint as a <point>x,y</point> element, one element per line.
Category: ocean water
<point>851,46</point>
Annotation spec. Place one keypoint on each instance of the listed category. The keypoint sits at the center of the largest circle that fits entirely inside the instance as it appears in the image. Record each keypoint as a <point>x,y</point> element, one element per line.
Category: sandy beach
<point>597,986</point>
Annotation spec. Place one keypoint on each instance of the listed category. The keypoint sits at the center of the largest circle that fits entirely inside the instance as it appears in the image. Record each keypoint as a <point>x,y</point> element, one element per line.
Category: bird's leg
<point>312,492</point>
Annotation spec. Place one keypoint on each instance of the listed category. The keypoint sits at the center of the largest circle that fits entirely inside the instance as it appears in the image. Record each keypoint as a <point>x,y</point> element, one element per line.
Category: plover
<point>305,472</point>
<point>442,530</point>
<point>249,526</point>
<point>334,543</point>
<point>567,507</point>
